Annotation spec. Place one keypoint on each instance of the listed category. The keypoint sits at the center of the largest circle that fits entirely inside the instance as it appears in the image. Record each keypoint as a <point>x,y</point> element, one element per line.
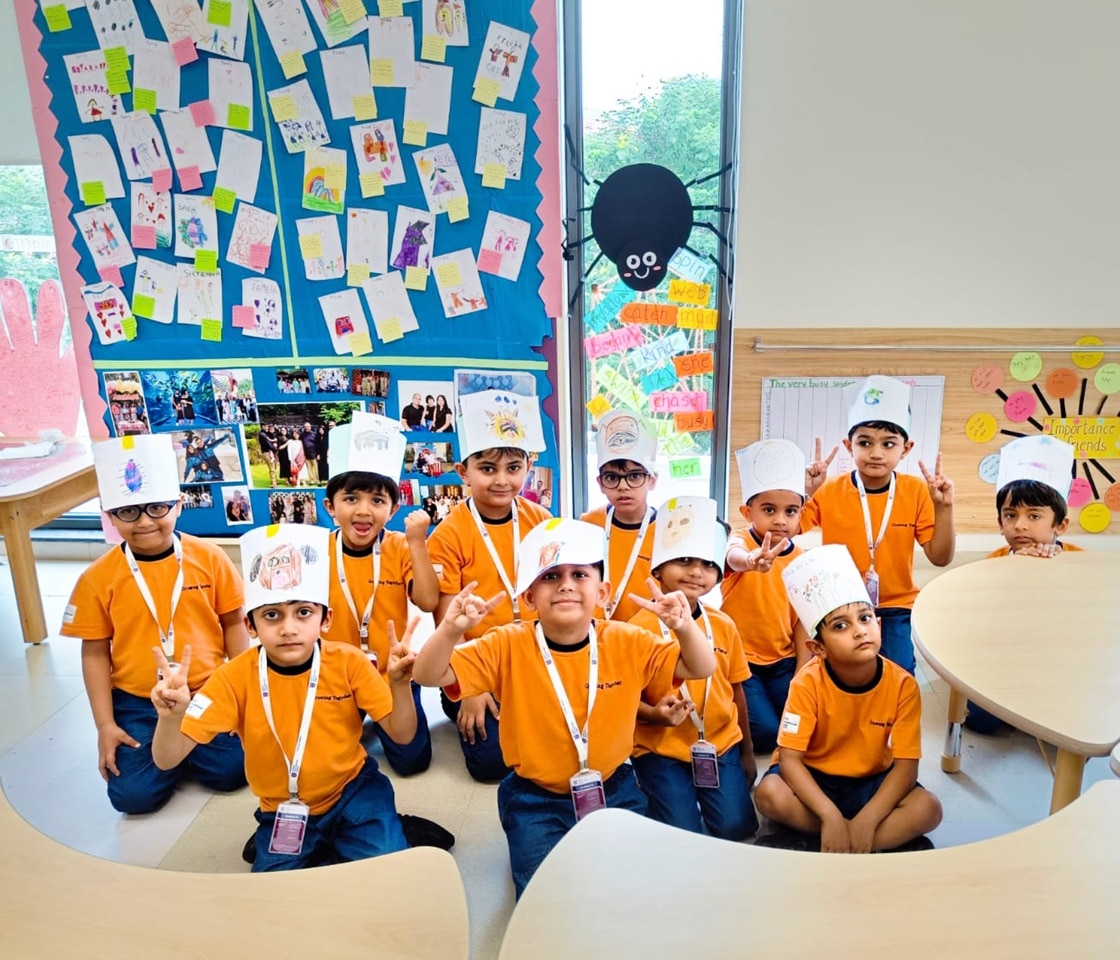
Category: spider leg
<point>569,248</point>
<point>708,256</point>
<point>712,206</point>
<point>708,226</point>
<point>572,153</point>
<point>579,285</point>
<point>587,272</point>
<point>710,176</point>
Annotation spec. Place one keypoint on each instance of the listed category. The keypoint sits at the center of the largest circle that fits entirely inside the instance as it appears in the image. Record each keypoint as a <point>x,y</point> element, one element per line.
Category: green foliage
<point>24,211</point>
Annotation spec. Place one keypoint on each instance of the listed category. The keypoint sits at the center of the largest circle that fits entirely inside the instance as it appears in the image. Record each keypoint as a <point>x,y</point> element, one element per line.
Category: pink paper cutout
<point>678,401</point>
<point>1080,492</point>
<point>202,113</point>
<point>184,51</point>
<point>144,237</point>
<point>161,180</point>
<point>1020,406</point>
<point>112,275</point>
<point>244,317</point>
<point>259,255</point>
<point>489,261</point>
<point>190,178</point>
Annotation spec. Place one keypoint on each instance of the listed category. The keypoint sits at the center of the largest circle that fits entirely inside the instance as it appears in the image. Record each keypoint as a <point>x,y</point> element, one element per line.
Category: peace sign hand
<point>762,559</point>
<point>401,656</point>
<point>672,609</point>
<point>940,486</point>
<point>171,695</point>
<point>466,611</point>
<point>817,471</point>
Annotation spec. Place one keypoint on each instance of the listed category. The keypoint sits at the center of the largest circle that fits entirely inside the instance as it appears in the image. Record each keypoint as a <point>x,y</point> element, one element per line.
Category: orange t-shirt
<point>759,605</point>
<point>106,603</point>
<point>622,539</point>
<point>459,556</point>
<point>334,753</point>
<point>852,732</point>
<point>836,509</point>
<point>534,737</point>
<point>721,717</point>
<point>1006,550</point>
<point>391,602</point>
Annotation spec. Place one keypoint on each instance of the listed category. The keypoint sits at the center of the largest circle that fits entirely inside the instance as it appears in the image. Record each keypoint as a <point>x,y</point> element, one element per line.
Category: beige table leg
<point>951,753</point>
<point>1067,779</point>
<point>21,558</point>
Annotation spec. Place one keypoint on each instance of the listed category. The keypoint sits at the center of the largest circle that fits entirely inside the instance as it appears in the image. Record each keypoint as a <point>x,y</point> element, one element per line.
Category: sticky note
<point>238,117</point>
<point>57,17</point>
<point>144,99</point>
<point>381,72</point>
<point>415,133</point>
<point>128,328</point>
<point>190,178</point>
<point>458,209</point>
<point>685,467</point>
<point>486,92</point>
<point>116,58</point>
<point>415,278</point>
<point>206,261</point>
<point>352,10</point>
<point>372,185</point>
<point>494,175</point>
<point>390,8</point>
<point>292,64</point>
<point>211,330</point>
<point>390,330</point>
<point>357,274</point>
<point>93,193</point>
<point>111,275</point>
<point>598,405</point>
<point>143,305</point>
<point>334,176</point>
<point>311,246</point>
<point>202,112</point>
<point>224,199</point>
<point>184,51</point>
<point>365,106</point>
<point>144,238</point>
<point>259,255</point>
<point>244,318</point>
<point>433,48</point>
<point>283,107</point>
<point>685,291</point>
<point>220,13</point>
<point>117,81</point>
<point>489,261</point>
<point>161,179</point>
<point>448,274</point>
<point>360,344</point>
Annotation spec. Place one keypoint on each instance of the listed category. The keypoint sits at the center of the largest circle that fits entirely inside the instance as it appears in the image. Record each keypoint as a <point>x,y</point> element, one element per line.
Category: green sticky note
<point>211,330</point>
<point>224,199</point>
<point>128,327</point>
<point>206,261</point>
<point>93,193</point>
<point>57,17</point>
<point>117,81</point>
<point>144,99</point>
<point>680,469</point>
<point>143,305</point>
<point>238,117</point>
<point>116,58</point>
<point>220,13</point>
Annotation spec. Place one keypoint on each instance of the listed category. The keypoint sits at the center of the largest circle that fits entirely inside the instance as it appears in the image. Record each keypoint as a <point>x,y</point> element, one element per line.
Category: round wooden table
<point>1037,643</point>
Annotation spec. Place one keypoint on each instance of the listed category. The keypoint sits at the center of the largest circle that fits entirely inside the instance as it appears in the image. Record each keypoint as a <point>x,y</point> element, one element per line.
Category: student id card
<point>871,581</point>
<point>705,768</point>
<point>588,794</point>
<point>289,828</point>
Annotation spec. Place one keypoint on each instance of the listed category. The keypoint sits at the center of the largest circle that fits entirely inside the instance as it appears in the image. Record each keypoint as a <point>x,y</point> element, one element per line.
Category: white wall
<point>17,144</point>
<point>930,163</point>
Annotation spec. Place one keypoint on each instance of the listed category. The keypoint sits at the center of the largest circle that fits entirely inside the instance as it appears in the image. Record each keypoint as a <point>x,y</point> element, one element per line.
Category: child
<point>772,475</point>
<point>569,685</point>
<point>374,571</point>
<point>156,587</point>
<point>878,513</point>
<point>477,542</point>
<point>847,760</point>
<point>700,773</point>
<point>329,804</point>
<point>627,451</point>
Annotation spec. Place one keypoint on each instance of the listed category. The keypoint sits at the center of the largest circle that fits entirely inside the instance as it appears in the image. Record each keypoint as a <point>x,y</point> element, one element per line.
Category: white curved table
<point>1037,643</point>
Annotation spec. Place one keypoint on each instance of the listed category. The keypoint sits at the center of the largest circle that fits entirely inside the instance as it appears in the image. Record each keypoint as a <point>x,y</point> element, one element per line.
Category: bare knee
<point>925,808</point>
<point>772,797</point>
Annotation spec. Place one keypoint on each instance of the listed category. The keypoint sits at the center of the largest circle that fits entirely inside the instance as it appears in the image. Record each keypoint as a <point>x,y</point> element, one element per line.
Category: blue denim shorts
<point>850,794</point>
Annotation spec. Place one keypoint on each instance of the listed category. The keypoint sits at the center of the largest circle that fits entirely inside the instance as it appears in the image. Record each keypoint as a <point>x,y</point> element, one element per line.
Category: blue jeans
<point>897,645</point>
<point>766,691</point>
<point>536,819</point>
<point>414,756</point>
<point>363,823</point>
<point>142,787</point>
<point>483,757</point>
<point>727,812</point>
<point>978,720</point>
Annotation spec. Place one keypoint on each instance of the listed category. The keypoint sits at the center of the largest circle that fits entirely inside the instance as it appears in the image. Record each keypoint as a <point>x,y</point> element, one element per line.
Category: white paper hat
<point>499,418</point>
<point>1045,459</point>
<point>771,465</point>
<point>286,561</point>
<point>822,580</point>
<point>881,398</point>
<point>370,443</point>
<point>136,470</point>
<point>624,435</point>
<point>688,527</point>
<point>554,542</point>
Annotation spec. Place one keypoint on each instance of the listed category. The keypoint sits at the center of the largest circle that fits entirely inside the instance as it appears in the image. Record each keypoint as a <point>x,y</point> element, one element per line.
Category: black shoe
<point>786,839</point>
<point>420,832</point>
<point>918,843</point>
<point>249,851</point>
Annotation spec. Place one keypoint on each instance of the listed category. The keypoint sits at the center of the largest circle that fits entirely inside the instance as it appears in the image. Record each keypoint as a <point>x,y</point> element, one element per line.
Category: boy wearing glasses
<point>627,451</point>
<point>157,588</point>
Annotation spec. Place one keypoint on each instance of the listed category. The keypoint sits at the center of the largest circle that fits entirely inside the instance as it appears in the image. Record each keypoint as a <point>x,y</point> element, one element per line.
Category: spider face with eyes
<point>641,269</point>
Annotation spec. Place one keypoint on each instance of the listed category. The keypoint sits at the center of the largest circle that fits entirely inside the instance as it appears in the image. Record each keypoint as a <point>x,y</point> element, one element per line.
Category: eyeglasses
<point>612,480</point>
<point>156,511</point>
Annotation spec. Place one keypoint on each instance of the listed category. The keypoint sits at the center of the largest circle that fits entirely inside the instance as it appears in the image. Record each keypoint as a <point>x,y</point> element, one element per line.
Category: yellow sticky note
<point>448,274</point>
<point>415,278</point>
<point>283,107</point>
<point>357,274</point>
<point>365,106</point>
<point>206,261</point>
<point>93,193</point>
<point>144,99</point>
<point>598,406</point>
<point>143,305</point>
<point>117,81</point>
<point>381,72</point>
<point>494,175</point>
<point>224,199</point>
<point>433,48</point>
<point>457,209</point>
<point>220,13</point>
<point>128,328</point>
<point>211,330</point>
<point>57,17</point>
<point>334,176</point>
<point>390,8</point>
<point>390,330</point>
<point>352,10</point>
<point>415,133</point>
<point>116,58</point>
<point>360,344</point>
<point>238,117</point>
<point>311,246</point>
<point>372,185</point>
<point>486,92</point>
<point>292,64</point>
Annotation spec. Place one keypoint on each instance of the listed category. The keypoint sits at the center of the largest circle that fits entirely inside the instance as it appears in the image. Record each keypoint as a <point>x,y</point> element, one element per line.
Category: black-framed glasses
<point>633,479</point>
<point>157,511</point>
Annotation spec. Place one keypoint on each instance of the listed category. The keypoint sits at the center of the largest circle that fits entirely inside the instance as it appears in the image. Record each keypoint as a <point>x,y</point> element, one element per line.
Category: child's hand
<point>762,559</point>
<point>401,656</point>
<point>466,611</point>
<point>834,835</point>
<point>670,711</point>
<point>472,716</point>
<point>416,524</point>
<point>861,835</point>
<point>940,486</point>
<point>817,471</point>
<point>672,609</point>
<point>171,695</point>
<point>109,737</point>
<point>747,762</point>
<point>1043,550</point>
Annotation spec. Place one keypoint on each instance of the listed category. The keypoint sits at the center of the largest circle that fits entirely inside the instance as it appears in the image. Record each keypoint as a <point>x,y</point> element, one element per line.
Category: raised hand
<point>817,471</point>
<point>401,656</point>
<point>940,486</point>
<point>466,611</point>
<point>762,559</point>
<point>672,609</point>
<point>416,524</point>
<point>171,695</point>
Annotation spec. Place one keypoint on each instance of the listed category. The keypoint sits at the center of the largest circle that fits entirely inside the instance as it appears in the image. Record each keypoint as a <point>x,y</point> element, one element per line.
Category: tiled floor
<point>48,769</point>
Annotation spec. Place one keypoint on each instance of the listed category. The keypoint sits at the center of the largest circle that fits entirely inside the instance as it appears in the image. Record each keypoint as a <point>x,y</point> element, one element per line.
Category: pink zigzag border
<point>547,128</point>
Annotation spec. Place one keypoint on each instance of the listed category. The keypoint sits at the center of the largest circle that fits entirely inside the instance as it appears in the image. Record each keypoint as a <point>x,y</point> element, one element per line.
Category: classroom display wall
<point>282,211</point>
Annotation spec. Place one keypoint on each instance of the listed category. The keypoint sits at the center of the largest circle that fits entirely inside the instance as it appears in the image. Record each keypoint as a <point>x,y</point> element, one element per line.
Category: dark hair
<point>496,453</point>
<point>751,499</point>
<point>363,481</point>
<point>252,623</point>
<point>884,425</point>
<point>1031,493</point>
<point>862,603</point>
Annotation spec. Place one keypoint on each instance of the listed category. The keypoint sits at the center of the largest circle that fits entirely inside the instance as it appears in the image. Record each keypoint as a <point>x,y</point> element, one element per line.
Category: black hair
<point>884,425</point>
<point>1031,493</point>
<point>496,453</point>
<point>252,623</point>
<point>620,460</point>
<point>862,603</point>
<point>363,481</point>
<point>755,496</point>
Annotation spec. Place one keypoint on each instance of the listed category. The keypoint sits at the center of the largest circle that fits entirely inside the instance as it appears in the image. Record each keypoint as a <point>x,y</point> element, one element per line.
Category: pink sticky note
<point>244,317</point>
<point>112,275</point>
<point>203,113</point>
<point>184,51</point>
<point>259,255</point>
<point>190,178</point>
<point>161,180</point>
<point>144,237</point>
<point>489,261</point>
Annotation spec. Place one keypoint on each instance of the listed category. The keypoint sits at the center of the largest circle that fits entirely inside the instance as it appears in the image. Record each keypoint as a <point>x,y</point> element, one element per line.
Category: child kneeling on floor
<point>850,738</point>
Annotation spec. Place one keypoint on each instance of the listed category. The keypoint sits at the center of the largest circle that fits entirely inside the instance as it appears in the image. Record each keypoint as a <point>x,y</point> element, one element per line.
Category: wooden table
<point>39,491</point>
<point>619,885</point>
<point>1037,643</point>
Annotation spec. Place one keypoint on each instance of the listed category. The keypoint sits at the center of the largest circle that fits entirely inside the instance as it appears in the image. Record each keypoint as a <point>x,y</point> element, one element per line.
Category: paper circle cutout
<point>989,468</point>
<point>1020,406</point>
<point>981,427</point>
<point>1080,492</point>
<point>1086,360</point>
<point>987,378</point>
<point>1026,366</point>
<point>1112,497</point>
<point>1094,518</point>
<point>1062,383</point>
<point>1107,379</point>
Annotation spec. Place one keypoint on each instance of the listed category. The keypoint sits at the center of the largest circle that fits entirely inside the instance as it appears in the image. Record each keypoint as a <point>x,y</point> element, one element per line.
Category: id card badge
<point>587,793</point>
<point>289,828</point>
<point>371,656</point>
<point>170,666</point>
<point>705,768</point>
<point>871,581</point>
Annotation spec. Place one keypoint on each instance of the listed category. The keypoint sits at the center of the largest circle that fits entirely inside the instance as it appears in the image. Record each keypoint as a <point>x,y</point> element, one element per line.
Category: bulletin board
<point>273,213</point>
<point>999,384</point>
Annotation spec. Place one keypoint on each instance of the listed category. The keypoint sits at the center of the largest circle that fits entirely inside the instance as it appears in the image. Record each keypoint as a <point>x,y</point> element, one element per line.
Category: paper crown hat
<point>771,465</point>
<point>499,418</point>
<point>688,527</point>
<point>370,443</point>
<point>287,561</point>
<point>553,542</point>
<point>881,398</point>
<point>1045,459</point>
<point>624,435</point>
<point>136,470</point>
<point>821,580</point>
